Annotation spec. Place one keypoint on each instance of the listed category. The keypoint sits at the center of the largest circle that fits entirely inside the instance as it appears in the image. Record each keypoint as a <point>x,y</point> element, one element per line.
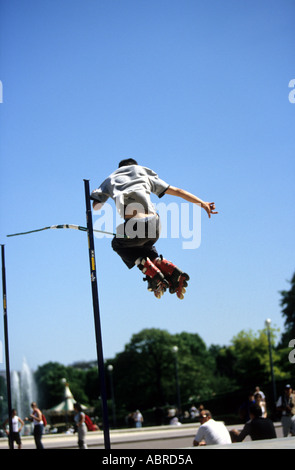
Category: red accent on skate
<point>165,266</point>
<point>149,269</point>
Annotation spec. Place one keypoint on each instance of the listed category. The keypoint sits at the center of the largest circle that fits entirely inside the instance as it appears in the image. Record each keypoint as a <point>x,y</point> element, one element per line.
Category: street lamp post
<point>175,351</point>
<point>267,324</point>
<point>110,369</point>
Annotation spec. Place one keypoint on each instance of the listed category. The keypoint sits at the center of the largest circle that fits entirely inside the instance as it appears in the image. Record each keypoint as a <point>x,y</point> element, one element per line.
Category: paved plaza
<point>160,437</point>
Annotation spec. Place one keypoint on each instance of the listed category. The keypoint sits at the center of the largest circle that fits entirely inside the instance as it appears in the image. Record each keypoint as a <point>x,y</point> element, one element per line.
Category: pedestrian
<point>172,412</point>
<point>257,390</point>
<point>36,417</point>
<point>138,419</point>
<point>211,432</point>
<point>194,412</point>
<point>17,425</point>
<point>175,422</point>
<point>244,408</point>
<point>286,407</point>
<point>79,419</point>
<point>260,402</point>
<point>130,187</point>
<point>257,427</point>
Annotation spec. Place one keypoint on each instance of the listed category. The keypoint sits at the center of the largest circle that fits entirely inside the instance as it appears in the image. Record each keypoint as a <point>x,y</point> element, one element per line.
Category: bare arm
<point>21,424</point>
<point>81,420</point>
<point>197,443</point>
<point>208,206</point>
<point>38,416</point>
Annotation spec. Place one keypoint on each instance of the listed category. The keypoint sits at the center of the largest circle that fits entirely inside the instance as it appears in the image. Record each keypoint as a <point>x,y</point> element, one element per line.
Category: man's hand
<point>96,205</point>
<point>209,208</point>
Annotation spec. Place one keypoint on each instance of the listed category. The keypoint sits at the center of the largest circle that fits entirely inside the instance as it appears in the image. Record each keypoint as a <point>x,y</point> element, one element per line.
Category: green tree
<point>288,302</point>
<point>144,373</point>
<point>51,388</point>
<point>224,371</point>
<point>251,365</point>
<point>196,366</point>
<point>92,386</point>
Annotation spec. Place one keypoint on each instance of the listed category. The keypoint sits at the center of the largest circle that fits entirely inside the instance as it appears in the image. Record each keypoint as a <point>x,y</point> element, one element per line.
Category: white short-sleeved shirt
<point>15,424</point>
<point>131,185</point>
<point>213,432</point>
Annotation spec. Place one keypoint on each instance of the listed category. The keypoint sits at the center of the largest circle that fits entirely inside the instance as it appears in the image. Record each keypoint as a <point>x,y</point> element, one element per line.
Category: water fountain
<point>15,391</point>
<point>23,390</point>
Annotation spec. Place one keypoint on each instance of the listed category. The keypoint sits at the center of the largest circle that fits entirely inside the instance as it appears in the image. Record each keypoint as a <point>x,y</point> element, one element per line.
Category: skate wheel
<point>158,293</point>
<point>180,296</point>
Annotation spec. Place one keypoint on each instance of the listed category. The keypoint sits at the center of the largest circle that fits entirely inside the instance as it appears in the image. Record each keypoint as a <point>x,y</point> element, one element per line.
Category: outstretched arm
<point>208,206</point>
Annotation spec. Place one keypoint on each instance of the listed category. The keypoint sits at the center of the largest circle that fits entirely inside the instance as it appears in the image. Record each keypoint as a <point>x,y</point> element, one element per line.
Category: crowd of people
<point>257,424</point>
<point>134,419</point>
<point>253,413</point>
<point>82,424</point>
<point>36,418</point>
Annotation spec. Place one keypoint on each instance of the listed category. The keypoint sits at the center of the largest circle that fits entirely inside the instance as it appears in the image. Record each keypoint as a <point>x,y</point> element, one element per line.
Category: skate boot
<point>156,280</point>
<point>177,279</point>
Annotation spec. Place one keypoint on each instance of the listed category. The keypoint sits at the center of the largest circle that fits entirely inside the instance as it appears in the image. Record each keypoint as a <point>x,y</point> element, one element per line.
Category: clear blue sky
<point>196,90</point>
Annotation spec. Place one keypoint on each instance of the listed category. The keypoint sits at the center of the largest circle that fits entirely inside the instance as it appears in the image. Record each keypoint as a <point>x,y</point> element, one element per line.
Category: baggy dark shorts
<point>16,438</point>
<point>135,238</point>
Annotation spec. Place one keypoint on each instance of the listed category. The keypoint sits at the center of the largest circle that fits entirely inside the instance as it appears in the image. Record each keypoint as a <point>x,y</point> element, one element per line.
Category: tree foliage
<point>147,368</point>
<point>50,377</point>
<point>288,304</point>
<point>144,374</point>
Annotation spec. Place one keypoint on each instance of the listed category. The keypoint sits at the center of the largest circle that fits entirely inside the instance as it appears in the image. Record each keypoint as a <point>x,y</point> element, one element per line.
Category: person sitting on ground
<point>257,428</point>
<point>211,432</point>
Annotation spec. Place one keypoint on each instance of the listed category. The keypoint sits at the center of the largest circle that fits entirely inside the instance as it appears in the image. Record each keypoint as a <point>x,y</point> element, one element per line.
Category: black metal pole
<point>96,313</point>
<point>10,437</point>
